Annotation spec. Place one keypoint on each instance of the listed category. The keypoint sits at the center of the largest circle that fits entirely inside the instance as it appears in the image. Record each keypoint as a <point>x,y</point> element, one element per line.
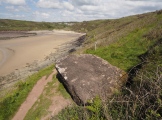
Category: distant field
<point>19,25</point>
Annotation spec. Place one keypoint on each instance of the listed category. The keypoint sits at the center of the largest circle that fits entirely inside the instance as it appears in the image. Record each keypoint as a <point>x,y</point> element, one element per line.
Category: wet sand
<point>19,52</point>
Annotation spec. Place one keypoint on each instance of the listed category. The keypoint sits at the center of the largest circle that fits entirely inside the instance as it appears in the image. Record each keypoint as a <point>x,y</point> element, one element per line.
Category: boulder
<point>87,76</point>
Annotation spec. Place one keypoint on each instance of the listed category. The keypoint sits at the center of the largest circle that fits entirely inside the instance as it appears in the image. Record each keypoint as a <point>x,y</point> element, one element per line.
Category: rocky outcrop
<point>87,76</point>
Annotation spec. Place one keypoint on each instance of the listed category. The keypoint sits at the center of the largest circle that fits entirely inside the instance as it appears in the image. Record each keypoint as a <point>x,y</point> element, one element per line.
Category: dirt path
<point>58,101</point>
<point>32,97</point>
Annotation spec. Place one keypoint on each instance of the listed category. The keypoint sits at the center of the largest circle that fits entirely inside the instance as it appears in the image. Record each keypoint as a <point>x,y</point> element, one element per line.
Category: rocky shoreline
<point>6,35</point>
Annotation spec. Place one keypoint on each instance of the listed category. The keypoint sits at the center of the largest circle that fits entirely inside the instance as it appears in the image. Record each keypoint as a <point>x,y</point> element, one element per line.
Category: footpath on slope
<point>58,102</point>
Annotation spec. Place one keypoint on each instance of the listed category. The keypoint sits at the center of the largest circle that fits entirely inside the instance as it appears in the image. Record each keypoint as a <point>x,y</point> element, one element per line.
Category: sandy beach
<point>20,52</point>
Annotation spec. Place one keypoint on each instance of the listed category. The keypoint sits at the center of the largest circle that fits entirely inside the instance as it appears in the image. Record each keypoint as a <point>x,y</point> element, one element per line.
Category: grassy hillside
<point>18,25</point>
<point>133,44</point>
<point>122,41</point>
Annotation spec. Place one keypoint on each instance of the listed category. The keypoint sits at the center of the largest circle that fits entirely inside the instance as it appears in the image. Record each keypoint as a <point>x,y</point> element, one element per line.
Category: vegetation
<point>92,112</point>
<point>126,51</point>
<point>63,91</point>
<point>133,44</point>
<point>12,101</point>
<point>18,25</point>
<point>141,99</point>
<point>41,106</point>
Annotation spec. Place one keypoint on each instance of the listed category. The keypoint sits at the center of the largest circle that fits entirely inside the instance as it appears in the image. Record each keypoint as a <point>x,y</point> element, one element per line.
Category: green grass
<point>71,113</point>
<point>12,101</point>
<point>39,109</point>
<point>63,91</point>
<point>19,25</point>
<point>91,112</point>
<point>124,53</point>
<point>142,100</point>
<point>120,42</point>
<point>125,43</point>
<point>41,106</point>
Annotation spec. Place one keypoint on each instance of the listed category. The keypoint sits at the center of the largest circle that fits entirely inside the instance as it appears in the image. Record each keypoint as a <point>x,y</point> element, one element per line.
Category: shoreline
<point>31,68</point>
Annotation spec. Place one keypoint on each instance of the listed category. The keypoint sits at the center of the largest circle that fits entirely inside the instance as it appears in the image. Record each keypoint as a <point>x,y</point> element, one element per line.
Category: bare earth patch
<point>58,103</point>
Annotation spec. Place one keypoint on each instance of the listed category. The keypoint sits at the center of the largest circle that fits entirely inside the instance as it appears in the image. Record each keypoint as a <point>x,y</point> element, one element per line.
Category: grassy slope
<point>126,42</point>
<point>19,25</point>
<point>129,38</point>
<point>41,106</point>
<point>12,100</point>
<point>122,42</point>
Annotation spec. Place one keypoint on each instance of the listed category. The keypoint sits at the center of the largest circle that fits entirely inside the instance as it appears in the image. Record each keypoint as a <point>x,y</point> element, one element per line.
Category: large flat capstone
<point>87,76</point>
